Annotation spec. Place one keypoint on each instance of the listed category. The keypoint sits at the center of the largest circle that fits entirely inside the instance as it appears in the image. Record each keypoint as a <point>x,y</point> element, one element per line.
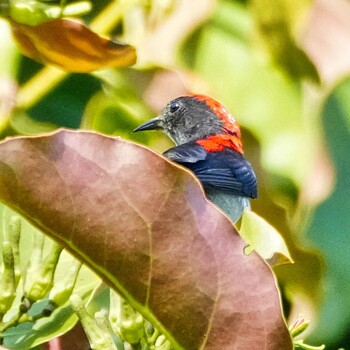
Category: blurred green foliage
<point>295,119</point>
<point>329,226</point>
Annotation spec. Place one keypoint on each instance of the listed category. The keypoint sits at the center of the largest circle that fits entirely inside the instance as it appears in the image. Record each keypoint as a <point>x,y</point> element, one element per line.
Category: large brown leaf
<point>144,225</point>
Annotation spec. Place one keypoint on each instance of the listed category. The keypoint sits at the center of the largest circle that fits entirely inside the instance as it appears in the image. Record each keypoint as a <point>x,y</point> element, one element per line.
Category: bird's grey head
<point>186,119</point>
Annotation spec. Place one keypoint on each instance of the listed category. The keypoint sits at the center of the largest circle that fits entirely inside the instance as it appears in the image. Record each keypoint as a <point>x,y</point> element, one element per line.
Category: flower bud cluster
<point>20,288</point>
<point>122,321</point>
<point>24,284</point>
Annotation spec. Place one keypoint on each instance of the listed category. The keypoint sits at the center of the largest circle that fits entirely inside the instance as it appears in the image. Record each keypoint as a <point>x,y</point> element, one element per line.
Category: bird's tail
<point>232,205</point>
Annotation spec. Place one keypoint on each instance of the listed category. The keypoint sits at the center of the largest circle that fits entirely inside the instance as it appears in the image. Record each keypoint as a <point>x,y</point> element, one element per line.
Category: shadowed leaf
<point>70,45</point>
<point>144,225</point>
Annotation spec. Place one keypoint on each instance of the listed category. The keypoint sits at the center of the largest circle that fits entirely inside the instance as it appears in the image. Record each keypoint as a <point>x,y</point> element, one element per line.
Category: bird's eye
<point>174,106</point>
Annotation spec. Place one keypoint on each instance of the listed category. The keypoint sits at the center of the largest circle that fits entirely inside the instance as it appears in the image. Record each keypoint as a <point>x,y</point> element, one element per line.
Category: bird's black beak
<point>152,124</point>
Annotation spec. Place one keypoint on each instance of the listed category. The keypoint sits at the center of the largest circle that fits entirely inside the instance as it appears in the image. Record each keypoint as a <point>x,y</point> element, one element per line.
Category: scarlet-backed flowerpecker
<point>208,142</point>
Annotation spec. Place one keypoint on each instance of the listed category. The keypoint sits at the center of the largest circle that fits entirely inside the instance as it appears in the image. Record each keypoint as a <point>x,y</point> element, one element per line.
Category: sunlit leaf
<point>264,239</point>
<point>144,225</point>
<point>70,45</point>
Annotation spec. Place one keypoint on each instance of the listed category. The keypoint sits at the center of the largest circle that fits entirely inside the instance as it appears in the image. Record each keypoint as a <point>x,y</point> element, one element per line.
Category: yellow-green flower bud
<point>63,289</point>
<point>99,338</point>
<point>77,9</point>
<point>151,332</point>
<point>14,233</point>
<point>7,279</point>
<point>126,322</point>
<point>162,343</point>
<point>40,273</point>
<point>102,321</point>
<point>298,326</point>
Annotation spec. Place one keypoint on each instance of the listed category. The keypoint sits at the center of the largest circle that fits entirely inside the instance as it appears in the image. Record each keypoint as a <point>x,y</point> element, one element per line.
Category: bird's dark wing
<point>186,153</point>
<point>226,170</point>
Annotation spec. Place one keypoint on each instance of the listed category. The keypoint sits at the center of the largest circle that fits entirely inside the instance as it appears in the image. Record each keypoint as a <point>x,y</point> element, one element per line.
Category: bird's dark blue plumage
<point>226,170</point>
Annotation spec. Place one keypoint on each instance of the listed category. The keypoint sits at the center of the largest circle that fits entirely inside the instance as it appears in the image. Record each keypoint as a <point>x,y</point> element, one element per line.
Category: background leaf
<point>72,46</point>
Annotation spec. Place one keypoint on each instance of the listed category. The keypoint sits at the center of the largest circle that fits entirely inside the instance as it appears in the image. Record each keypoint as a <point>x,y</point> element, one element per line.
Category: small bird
<point>208,142</point>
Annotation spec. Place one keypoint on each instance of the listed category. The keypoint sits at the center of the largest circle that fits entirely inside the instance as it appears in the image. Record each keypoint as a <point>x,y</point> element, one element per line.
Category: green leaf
<point>145,226</point>
<point>63,106</point>
<point>109,115</point>
<point>264,239</point>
